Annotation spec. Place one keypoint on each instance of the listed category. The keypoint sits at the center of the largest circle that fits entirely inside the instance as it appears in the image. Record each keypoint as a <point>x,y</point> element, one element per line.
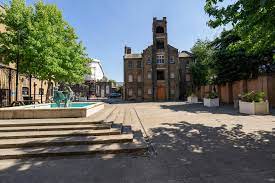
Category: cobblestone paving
<point>193,144</point>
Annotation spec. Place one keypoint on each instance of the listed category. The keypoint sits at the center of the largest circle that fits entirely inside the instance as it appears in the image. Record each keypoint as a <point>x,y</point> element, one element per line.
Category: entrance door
<point>161,93</point>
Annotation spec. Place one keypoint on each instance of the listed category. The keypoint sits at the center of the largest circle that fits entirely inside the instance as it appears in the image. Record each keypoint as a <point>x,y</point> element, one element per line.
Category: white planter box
<point>192,100</point>
<point>254,107</point>
<point>211,102</point>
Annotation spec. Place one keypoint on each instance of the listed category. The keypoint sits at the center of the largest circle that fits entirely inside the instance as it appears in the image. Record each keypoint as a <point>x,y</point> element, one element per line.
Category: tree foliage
<point>201,67</point>
<point>47,45</point>
<point>231,65</point>
<point>252,20</point>
<point>13,41</point>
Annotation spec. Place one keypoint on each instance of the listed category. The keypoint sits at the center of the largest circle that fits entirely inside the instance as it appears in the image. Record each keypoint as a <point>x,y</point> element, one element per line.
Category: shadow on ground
<point>184,153</point>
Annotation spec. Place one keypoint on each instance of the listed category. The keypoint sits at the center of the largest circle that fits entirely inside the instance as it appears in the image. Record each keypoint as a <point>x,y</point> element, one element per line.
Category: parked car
<point>115,95</point>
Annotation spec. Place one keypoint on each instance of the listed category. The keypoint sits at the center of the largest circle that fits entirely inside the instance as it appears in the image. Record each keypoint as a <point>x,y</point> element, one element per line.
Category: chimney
<point>127,50</point>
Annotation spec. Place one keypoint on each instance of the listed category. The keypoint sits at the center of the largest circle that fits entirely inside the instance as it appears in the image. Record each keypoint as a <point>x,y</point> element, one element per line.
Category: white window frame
<point>139,79</point>
<point>130,78</point>
<point>172,91</point>
<point>130,92</point>
<point>172,60</point>
<point>149,61</point>
<point>139,92</point>
<point>172,75</point>
<point>149,75</point>
<point>149,91</point>
<point>160,59</point>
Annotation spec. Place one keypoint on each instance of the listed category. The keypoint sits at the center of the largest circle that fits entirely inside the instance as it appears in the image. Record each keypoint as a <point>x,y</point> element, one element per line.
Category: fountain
<point>62,108</point>
<point>67,96</point>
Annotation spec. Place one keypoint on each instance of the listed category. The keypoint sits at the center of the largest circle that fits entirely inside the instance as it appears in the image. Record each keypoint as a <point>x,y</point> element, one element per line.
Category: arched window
<point>159,29</point>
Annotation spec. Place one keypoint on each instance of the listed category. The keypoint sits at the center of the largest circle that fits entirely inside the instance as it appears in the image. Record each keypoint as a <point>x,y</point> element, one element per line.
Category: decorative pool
<point>76,110</point>
<point>73,105</point>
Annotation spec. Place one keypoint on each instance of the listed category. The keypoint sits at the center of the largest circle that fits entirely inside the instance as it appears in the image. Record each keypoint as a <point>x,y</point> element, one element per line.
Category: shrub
<point>253,96</point>
<point>212,95</point>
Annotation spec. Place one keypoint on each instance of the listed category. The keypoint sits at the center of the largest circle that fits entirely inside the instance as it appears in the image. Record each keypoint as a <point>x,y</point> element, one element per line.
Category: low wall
<point>40,113</point>
<point>228,92</point>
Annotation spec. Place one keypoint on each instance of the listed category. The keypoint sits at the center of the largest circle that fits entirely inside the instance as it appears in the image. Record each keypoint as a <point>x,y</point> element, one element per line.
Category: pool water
<point>48,106</point>
<point>73,105</point>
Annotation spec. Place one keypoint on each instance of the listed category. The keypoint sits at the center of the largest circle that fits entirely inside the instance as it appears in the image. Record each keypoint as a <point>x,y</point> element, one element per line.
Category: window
<point>139,64</point>
<point>187,65</point>
<point>172,60</point>
<point>130,64</point>
<point>139,78</point>
<point>139,92</point>
<point>160,45</point>
<point>149,91</point>
<point>160,75</point>
<point>130,92</point>
<point>41,91</point>
<point>159,29</point>
<point>107,89</point>
<point>188,77</point>
<point>25,91</point>
<point>149,61</point>
<point>172,75</point>
<point>130,78</point>
<point>149,75</point>
<point>160,59</point>
<point>172,91</point>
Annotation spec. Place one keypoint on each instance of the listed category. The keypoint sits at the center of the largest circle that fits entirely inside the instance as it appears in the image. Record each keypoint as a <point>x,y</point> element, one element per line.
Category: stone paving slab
<point>193,144</point>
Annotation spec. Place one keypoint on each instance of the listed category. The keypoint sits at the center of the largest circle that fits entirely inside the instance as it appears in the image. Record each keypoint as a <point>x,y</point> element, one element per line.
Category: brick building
<point>160,72</point>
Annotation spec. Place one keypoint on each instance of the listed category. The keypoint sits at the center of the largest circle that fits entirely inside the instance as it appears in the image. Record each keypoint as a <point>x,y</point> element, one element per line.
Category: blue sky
<point>105,26</point>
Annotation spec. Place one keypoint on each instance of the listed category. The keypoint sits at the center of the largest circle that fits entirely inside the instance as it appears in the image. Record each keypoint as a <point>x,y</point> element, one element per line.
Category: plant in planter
<point>192,98</point>
<point>211,100</point>
<point>253,103</point>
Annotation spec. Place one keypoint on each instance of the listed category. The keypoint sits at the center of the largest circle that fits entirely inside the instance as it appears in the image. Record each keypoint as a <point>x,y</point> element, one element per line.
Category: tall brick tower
<point>159,72</point>
<point>160,65</point>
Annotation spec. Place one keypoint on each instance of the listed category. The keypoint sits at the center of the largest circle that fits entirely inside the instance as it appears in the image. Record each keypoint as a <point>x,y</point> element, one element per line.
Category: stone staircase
<point>66,137</point>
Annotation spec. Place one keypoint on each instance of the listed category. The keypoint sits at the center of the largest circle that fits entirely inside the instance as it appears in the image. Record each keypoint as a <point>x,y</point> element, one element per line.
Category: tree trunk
<point>48,94</point>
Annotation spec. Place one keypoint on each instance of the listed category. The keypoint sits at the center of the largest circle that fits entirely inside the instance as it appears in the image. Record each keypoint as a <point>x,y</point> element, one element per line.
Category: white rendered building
<point>97,73</point>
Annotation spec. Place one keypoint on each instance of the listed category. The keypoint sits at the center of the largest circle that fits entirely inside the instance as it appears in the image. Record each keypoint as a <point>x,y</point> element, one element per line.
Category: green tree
<point>201,70</point>
<point>252,20</point>
<point>231,65</point>
<point>50,48</point>
<point>16,19</point>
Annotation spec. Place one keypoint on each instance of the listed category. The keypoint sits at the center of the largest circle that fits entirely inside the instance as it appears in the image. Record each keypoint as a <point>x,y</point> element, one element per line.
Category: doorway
<point>161,93</point>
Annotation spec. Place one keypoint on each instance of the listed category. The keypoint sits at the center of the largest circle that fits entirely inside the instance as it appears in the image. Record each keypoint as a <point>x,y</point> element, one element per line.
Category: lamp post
<point>41,92</point>
<point>17,66</point>
<point>34,92</point>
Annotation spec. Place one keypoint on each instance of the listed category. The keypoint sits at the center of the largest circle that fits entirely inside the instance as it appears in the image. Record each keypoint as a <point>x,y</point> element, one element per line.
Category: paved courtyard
<point>189,144</point>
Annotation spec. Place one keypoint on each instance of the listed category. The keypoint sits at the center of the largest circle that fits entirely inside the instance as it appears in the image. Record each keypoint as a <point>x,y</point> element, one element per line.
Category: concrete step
<point>47,123</point>
<point>65,141</point>
<point>50,151</point>
<point>55,128</point>
<point>41,134</point>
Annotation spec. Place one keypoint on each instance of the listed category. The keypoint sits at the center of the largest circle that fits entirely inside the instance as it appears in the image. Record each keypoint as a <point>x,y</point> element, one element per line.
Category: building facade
<point>160,72</point>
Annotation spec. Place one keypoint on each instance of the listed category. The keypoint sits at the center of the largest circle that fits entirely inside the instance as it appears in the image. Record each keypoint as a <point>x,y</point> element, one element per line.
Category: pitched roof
<point>185,54</point>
